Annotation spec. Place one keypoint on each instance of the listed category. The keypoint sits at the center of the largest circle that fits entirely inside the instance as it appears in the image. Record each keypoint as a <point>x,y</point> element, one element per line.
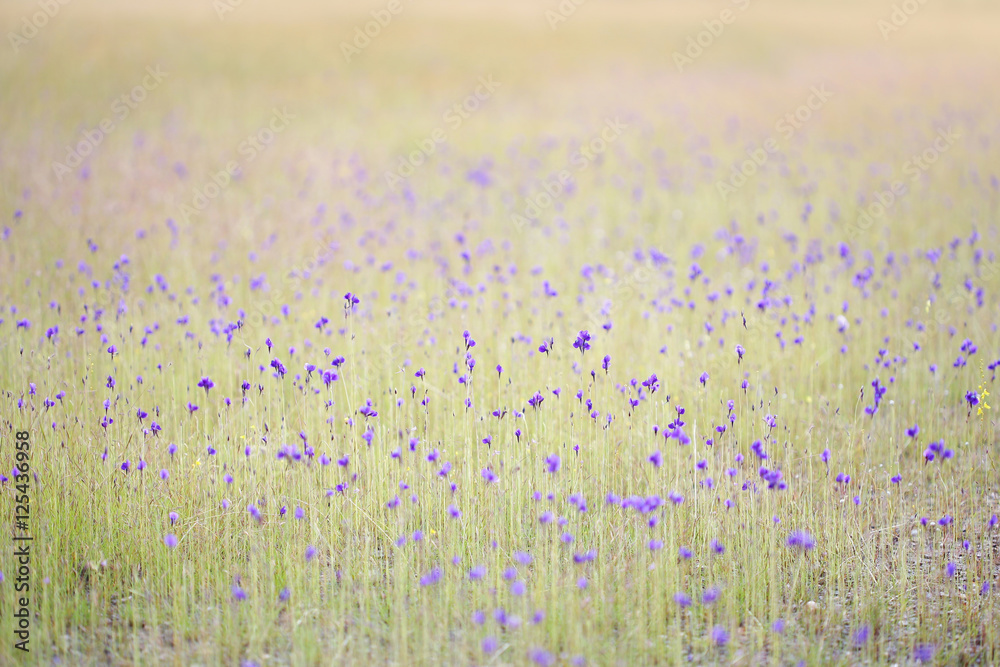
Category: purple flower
<point>536,400</point>
<point>717,547</point>
<point>582,341</point>
<point>703,378</point>
<point>656,458</point>
<point>972,398</point>
<point>711,595</point>
<point>431,577</point>
<point>720,636</point>
<point>545,517</point>
<point>541,657</point>
<point>206,384</point>
<point>170,540</point>
<point>552,463</point>
<point>489,644</point>
<point>682,600</point>
<point>740,351</point>
<point>924,653</point>
<point>802,540</point>
<point>310,552</point>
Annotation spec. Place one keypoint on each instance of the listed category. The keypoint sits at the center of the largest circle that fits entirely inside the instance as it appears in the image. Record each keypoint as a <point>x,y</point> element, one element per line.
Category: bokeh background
<point>145,230</point>
<point>229,66</point>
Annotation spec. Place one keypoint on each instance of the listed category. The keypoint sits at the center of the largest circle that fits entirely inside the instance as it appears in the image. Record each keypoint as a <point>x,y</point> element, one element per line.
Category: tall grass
<point>449,535</point>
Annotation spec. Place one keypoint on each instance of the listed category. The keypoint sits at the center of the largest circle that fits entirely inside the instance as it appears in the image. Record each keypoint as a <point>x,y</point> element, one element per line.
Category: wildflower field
<point>469,333</point>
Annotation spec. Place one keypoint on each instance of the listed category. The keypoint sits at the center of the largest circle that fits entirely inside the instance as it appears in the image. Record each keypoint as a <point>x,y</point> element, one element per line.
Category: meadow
<point>497,334</point>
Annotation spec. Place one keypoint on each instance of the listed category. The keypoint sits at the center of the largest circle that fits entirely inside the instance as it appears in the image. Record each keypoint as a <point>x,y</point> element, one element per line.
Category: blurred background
<point>897,72</point>
<point>457,164</point>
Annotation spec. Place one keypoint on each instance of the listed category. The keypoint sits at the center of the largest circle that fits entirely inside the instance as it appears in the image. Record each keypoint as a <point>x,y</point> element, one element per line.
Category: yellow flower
<point>196,463</point>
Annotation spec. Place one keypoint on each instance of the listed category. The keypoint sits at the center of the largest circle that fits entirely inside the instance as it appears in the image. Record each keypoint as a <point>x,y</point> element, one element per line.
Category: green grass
<point>311,213</point>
